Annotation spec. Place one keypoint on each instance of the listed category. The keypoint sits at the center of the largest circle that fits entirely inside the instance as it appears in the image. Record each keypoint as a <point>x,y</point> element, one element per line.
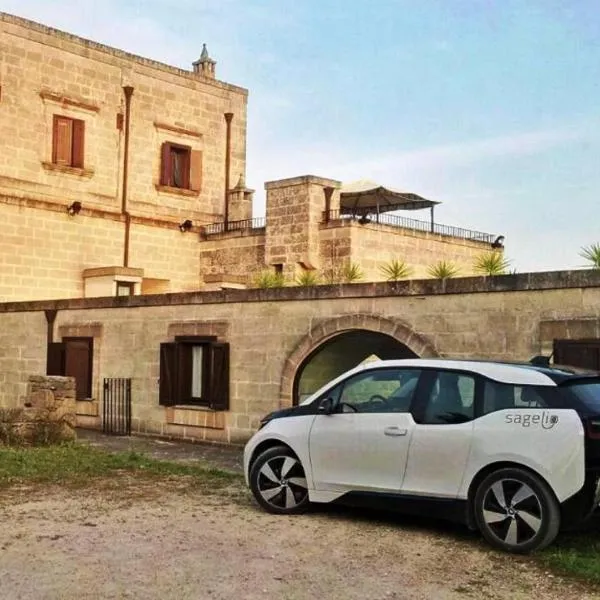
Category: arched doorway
<point>342,352</point>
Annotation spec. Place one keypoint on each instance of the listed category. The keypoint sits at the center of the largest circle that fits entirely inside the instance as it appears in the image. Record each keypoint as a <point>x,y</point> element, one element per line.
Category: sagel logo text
<point>545,419</point>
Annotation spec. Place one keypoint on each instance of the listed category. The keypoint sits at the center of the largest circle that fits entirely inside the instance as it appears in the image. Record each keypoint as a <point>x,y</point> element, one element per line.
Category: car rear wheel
<point>516,511</point>
<point>278,481</point>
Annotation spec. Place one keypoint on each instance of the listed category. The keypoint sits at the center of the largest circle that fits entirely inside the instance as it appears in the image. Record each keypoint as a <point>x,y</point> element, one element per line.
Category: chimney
<point>205,65</point>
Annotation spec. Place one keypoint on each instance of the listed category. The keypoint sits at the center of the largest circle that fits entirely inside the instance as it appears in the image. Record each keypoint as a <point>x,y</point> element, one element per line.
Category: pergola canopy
<point>368,196</point>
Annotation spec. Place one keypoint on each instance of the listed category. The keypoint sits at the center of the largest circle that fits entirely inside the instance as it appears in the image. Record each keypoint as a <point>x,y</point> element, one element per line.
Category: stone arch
<point>321,333</point>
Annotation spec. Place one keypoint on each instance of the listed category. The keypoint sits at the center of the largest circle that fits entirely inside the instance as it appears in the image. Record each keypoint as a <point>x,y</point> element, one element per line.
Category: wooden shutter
<point>55,359</point>
<point>165,164</point>
<point>78,143</point>
<point>219,376</point>
<point>167,391</point>
<point>62,141</point>
<point>195,170</point>
<point>78,364</point>
<point>184,373</point>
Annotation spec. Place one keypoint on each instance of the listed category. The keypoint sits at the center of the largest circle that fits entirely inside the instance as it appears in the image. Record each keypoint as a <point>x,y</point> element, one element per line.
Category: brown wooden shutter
<point>184,372</point>
<point>165,164</point>
<point>78,364</point>
<point>219,376</point>
<point>78,143</point>
<point>167,391</point>
<point>195,170</point>
<point>55,359</point>
<point>62,141</point>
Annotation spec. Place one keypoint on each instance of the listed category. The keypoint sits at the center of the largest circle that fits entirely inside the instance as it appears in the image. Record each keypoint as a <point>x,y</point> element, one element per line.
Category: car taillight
<point>593,428</point>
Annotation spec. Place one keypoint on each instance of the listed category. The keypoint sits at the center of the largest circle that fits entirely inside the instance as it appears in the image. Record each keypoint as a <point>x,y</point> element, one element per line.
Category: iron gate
<point>116,408</point>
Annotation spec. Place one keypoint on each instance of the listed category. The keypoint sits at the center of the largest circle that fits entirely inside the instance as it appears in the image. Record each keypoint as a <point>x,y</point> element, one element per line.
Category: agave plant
<point>351,273</point>
<point>443,269</point>
<point>592,255</point>
<point>395,270</point>
<point>268,279</point>
<point>308,278</point>
<point>491,263</point>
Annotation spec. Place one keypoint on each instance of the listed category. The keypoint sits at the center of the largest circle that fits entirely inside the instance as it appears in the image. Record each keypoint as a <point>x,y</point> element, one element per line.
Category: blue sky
<point>491,107</point>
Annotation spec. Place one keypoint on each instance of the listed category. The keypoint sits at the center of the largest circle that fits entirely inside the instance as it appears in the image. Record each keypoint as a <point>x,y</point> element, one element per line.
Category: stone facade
<point>46,73</point>
<point>271,332</point>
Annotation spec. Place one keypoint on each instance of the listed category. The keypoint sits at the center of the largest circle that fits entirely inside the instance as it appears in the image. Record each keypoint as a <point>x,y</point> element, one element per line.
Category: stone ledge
<point>175,191</point>
<point>551,280</point>
<point>66,101</point>
<point>78,172</point>
<point>303,179</point>
<point>178,130</point>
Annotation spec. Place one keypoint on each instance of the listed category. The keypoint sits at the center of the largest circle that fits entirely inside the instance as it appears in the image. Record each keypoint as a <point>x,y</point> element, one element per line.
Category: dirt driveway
<point>154,541</point>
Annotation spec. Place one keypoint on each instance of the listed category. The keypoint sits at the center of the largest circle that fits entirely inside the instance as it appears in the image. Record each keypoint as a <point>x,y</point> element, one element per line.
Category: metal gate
<point>116,408</point>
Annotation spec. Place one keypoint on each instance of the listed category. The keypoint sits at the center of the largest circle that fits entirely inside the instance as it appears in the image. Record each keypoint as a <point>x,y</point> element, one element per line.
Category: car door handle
<point>395,431</point>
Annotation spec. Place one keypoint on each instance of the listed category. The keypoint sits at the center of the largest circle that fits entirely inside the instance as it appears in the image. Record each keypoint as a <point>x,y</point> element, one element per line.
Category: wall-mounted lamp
<point>498,242</point>
<point>74,208</point>
<point>185,226</point>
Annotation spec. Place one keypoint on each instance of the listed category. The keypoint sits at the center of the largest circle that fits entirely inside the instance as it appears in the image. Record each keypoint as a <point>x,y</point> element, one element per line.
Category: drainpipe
<point>128,90</point>
<point>228,119</point>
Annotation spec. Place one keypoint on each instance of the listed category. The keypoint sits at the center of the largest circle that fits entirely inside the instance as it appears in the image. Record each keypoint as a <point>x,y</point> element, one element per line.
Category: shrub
<point>443,269</point>
<point>491,263</point>
<point>592,255</point>
<point>308,278</point>
<point>395,270</point>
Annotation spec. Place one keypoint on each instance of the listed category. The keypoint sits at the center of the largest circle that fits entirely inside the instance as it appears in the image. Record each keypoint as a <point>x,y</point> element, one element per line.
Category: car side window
<point>451,399</point>
<point>379,391</point>
<point>501,396</point>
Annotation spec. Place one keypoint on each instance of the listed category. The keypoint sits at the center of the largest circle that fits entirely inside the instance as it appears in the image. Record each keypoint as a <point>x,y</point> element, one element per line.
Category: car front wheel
<point>516,511</point>
<point>278,481</point>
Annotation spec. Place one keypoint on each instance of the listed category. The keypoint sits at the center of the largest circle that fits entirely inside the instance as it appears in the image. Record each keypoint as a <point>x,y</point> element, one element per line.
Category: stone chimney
<point>205,65</point>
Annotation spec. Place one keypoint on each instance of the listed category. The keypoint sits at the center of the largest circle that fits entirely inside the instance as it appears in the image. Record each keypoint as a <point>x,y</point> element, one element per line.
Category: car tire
<point>516,511</point>
<point>278,481</point>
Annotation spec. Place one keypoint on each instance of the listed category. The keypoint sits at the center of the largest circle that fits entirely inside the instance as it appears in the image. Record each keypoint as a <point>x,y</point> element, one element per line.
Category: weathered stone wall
<point>44,72</point>
<point>272,331</point>
<point>373,245</point>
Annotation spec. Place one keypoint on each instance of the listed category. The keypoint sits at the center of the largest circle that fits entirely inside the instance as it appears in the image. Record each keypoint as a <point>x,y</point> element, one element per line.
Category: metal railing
<point>116,406</point>
<point>406,223</point>
<point>243,225</point>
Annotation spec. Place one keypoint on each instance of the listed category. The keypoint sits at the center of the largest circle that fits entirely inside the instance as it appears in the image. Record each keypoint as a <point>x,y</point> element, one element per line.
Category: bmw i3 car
<point>512,450</point>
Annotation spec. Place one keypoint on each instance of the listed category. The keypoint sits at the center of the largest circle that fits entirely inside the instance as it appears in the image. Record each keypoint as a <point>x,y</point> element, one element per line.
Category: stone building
<point>120,175</point>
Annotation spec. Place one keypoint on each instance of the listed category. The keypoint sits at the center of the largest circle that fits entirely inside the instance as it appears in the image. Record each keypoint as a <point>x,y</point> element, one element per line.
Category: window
<point>381,390</point>
<point>68,142</point>
<point>73,357</point>
<point>194,371</point>
<point>181,167</point>
<point>501,396</point>
<point>451,399</point>
<point>125,288</point>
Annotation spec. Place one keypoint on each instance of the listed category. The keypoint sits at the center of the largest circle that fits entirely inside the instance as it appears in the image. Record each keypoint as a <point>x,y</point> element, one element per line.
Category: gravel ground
<point>139,540</point>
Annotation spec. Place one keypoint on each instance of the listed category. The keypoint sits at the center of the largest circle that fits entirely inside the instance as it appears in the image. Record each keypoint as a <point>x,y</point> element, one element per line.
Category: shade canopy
<point>366,195</point>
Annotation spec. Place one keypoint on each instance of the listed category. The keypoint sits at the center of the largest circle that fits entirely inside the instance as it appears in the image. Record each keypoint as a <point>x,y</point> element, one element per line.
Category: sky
<point>488,106</point>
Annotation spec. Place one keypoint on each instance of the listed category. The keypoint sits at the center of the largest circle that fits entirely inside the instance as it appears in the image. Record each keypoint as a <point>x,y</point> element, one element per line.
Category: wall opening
<point>341,353</point>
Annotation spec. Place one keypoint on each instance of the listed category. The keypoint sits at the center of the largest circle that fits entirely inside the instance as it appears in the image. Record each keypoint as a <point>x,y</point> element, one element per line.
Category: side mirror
<point>326,406</point>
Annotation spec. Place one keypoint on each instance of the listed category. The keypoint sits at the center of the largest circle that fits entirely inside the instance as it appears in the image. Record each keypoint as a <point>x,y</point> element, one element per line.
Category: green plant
<point>491,263</point>
<point>591,253</point>
<point>308,278</point>
<point>351,273</point>
<point>269,279</point>
<point>443,269</point>
<point>395,270</point>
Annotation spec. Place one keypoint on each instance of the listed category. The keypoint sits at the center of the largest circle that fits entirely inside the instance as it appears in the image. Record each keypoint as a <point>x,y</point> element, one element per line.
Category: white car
<point>510,449</point>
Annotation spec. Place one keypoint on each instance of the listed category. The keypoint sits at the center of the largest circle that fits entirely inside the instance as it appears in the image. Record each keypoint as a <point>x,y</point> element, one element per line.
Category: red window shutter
<point>78,143</point>
<point>167,393</point>
<point>219,376</point>
<point>195,170</point>
<point>62,141</point>
<point>78,364</point>
<point>165,164</point>
<point>55,359</point>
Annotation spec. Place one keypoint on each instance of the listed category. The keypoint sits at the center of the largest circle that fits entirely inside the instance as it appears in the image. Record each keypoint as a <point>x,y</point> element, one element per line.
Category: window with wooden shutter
<point>55,359</point>
<point>194,371</point>
<point>79,353</point>
<point>196,170</point>
<point>176,166</point>
<point>68,138</point>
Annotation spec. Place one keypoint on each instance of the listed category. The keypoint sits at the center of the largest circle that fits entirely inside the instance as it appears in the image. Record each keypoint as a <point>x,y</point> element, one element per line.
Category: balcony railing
<point>405,223</point>
<point>243,225</point>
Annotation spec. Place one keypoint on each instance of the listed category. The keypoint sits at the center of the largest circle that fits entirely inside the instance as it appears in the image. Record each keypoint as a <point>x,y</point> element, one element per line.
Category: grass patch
<point>577,554</point>
<point>79,464</point>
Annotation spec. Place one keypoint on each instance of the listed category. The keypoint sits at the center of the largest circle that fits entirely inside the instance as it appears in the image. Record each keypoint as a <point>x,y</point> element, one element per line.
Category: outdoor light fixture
<point>74,208</point>
<point>185,226</point>
<point>498,242</point>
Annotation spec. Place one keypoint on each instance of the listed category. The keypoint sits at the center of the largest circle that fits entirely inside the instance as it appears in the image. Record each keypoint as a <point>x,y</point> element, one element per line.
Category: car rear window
<point>588,393</point>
